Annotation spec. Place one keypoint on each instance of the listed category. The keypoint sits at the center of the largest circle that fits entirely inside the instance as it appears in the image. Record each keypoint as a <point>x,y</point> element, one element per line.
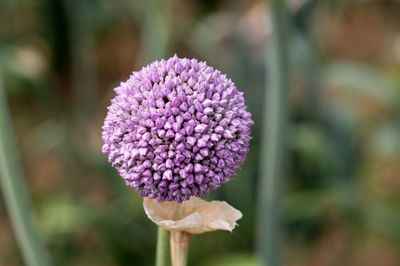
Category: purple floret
<point>177,128</point>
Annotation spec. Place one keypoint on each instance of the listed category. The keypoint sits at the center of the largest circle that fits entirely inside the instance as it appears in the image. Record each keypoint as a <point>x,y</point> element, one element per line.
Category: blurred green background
<point>61,59</point>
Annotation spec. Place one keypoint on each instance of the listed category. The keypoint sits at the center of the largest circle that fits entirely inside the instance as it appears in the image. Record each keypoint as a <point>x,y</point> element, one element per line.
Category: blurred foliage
<point>61,59</point>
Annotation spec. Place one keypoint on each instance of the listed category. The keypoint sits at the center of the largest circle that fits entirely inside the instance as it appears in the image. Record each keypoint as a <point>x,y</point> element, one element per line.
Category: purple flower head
<point>177,128</point>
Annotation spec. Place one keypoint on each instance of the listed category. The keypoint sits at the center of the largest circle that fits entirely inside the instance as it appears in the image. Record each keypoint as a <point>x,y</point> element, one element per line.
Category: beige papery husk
<point>195,216</point>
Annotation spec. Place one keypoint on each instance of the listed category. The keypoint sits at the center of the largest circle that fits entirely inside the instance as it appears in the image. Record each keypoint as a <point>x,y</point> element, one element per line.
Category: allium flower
<point>176,128</point>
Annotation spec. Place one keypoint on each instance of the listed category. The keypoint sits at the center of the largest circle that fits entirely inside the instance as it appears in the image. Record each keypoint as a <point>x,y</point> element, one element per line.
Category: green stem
<point>83,60</point>
<point>15,195</point>
<point>162,247</point>
<point>274,139</point>
<point>154,45</point>
<point>156,30</point>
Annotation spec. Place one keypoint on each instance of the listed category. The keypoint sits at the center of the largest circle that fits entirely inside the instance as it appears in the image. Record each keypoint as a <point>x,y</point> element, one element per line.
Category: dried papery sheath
<point>195,216</point>
<point>177,128</point>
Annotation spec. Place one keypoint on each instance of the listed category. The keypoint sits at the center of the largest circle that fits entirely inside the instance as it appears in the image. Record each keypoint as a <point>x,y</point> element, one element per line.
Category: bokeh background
<point>60,61</point>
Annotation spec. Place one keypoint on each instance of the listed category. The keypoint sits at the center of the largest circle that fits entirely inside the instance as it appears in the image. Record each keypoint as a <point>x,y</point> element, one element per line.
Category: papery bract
<point>194,216</point>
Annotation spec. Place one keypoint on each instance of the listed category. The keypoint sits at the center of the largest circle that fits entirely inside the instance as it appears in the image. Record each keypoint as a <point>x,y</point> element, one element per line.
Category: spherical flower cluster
<point>176,128</point>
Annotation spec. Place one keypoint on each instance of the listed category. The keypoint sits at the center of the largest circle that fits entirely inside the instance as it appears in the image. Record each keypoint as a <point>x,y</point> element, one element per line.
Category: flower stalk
<point>179,241</point>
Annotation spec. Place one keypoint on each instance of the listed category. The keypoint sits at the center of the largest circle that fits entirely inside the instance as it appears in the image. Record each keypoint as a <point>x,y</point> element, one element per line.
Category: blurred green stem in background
<point>15,194</point>
<point>273,150</point>
<point>83,58</point>
<point>155,31</point>
<point>154,46</point>
<point>162,247</point>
